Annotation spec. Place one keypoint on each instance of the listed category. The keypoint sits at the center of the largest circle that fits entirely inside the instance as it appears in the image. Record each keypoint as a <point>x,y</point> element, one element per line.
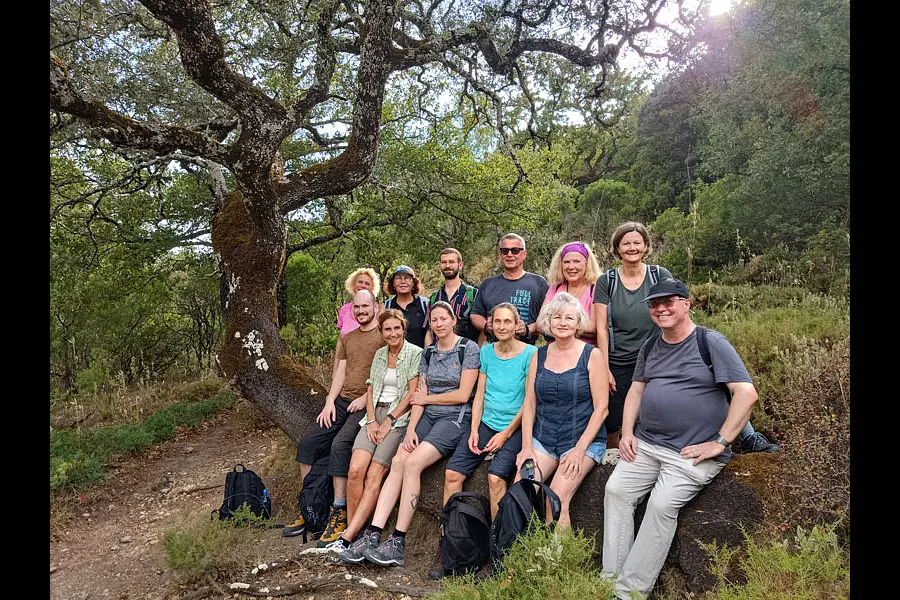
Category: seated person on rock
<point>678,423</point>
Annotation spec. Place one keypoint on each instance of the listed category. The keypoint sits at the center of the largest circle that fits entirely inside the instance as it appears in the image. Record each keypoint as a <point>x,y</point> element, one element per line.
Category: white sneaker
<point>610,457</point>
<point>338,545</point>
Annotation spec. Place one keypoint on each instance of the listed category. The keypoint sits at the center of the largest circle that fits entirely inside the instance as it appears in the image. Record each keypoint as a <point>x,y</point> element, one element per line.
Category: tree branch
<point>125,131</point>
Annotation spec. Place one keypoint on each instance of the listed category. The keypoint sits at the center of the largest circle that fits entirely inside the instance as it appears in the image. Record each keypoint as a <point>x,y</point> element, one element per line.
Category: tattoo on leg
<point>414,501</point>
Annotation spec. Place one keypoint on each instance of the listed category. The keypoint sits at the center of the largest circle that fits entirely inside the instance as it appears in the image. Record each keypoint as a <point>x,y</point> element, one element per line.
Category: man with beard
<point>332,428</point>
<point>457,293</point>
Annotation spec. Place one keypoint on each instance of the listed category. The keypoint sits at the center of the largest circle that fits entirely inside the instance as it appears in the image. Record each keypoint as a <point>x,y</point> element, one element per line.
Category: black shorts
<point>503,464</point>
<point>622,375</point>
<point>316,442</point>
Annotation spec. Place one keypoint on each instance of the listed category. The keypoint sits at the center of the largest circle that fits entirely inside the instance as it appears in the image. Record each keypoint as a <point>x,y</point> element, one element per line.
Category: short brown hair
<point>449,250</point>
<point>391,313</point>
<point>628,227</point>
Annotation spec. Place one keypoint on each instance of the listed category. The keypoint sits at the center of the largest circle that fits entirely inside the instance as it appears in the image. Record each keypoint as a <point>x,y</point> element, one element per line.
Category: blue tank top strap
<point>585,356</point>
<point>542,357</point>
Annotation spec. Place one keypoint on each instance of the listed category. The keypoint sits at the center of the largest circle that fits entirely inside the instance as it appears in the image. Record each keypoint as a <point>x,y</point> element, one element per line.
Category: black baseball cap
<point>667,287</point>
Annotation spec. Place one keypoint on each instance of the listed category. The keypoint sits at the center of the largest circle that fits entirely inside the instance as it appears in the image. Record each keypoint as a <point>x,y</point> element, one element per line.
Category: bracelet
<point>370,421</point>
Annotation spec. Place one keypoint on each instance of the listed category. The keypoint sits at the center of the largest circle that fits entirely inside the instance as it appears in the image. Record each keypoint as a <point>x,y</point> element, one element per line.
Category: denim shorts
<point>595,451</point>
<point>503,463</point>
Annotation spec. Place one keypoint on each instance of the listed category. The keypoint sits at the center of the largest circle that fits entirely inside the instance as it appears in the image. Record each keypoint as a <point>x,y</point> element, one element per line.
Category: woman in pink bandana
<point>574,269</point>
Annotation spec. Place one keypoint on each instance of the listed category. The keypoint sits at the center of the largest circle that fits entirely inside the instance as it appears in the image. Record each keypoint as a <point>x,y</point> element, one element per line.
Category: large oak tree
<point>230,87</point>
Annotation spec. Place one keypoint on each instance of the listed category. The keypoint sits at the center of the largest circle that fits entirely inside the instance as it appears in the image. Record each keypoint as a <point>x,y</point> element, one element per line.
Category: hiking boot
<point>757,442</point>
<point>338,545</point>
<point>337,523</point>
<point>296,528</point>
<point>389,553</point>
<point>369,540</point>
<point>610,457</point>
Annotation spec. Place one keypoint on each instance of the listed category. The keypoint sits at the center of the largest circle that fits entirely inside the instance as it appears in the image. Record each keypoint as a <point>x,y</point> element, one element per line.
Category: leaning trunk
<point>248,234</point>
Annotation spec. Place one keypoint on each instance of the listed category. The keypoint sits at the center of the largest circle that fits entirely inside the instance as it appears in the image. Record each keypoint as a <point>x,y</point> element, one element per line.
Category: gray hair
<point>511,236</point>
<point>557,304</point>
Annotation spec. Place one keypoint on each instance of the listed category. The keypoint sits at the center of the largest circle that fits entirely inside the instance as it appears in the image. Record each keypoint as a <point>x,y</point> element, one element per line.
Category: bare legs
<point>403,483</point>
<point>363,486</point>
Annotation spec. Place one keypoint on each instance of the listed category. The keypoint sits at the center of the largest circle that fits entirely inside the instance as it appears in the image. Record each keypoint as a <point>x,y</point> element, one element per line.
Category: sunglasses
<point>668,302</point>
<point>515,251</point>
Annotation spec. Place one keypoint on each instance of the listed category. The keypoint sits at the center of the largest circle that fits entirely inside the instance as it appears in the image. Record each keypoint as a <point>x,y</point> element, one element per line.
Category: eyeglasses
<point>515,251</point>
<point>668,301</point>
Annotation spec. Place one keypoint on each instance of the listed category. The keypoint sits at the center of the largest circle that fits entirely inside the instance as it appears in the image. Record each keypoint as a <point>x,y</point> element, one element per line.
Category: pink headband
<point>575,247</point>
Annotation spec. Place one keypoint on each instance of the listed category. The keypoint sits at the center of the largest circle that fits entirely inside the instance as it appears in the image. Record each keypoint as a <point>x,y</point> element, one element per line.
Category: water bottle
<point>527,470</point>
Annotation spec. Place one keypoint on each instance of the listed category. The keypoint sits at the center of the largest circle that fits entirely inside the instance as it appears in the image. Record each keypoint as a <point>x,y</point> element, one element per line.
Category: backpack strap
<point>428,352</point>
<point>703,347</point>
<point>651,343</point>
<point>611,282</point>
<point>388,303</point>
<point>423,301</point>
<point>653,271</point>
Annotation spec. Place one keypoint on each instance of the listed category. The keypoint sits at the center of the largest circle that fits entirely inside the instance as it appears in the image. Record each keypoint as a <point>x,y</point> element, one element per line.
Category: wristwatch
<point>392,418</point>
<point>720,439</point>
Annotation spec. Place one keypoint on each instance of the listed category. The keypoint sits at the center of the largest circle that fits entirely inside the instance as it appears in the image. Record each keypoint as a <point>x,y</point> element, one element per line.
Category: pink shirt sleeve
<point>345,320</point>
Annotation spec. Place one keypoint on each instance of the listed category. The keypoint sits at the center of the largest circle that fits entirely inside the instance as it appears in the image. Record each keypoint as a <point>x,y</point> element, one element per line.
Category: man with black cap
<point>679,420</point>
<point>402,287</point>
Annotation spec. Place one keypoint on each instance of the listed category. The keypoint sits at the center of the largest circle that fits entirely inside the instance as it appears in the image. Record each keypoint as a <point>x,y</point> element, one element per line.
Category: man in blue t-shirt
<point>677,428</point>
<point>515,285</point>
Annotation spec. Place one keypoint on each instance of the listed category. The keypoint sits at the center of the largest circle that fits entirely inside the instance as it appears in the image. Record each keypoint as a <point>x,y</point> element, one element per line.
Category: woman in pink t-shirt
<point>363,278</point>
<point>574,269</point>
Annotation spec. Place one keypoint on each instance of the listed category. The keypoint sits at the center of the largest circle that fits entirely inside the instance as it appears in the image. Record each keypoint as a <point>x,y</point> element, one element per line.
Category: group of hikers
<point>625,378</point>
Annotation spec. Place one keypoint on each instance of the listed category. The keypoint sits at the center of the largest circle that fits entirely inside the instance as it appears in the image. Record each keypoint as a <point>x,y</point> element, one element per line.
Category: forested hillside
<point>217,169</point>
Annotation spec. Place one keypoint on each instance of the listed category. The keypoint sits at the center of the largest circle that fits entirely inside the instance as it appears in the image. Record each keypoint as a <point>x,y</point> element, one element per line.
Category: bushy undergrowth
<point>809,565</point>
<point>797,348</point>
<point>78,458</point>
<point>771,328</point>
<point>203,546</point>
<point>540,566</point>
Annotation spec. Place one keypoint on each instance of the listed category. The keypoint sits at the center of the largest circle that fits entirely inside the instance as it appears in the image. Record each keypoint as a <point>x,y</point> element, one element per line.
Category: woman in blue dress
<point>566,400</point>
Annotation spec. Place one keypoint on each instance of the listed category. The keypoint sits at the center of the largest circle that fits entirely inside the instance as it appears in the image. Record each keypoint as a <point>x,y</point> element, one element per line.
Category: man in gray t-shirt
<point>677,429</point>
<point>515,285</point>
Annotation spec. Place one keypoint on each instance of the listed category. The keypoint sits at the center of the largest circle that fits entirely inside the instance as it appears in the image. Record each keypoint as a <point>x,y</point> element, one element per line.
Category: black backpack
<point>524,501</point>
<point>241,487</point>
<point>465,543</point>
<point>316,497</point>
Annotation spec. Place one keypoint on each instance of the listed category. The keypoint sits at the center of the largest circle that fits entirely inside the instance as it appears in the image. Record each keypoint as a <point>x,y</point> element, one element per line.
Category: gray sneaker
<point>389,553</point>
<point>358,547</point>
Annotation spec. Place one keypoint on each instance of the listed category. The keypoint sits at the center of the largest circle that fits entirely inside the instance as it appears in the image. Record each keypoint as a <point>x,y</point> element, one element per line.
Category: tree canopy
<point>280,111</point>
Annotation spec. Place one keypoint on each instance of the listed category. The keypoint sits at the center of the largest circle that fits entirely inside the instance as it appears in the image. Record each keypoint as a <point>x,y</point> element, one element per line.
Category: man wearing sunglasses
<point>681,414</point>
<point>515,285</point>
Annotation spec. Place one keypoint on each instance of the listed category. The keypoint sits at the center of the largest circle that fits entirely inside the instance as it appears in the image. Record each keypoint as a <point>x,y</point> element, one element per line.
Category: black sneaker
<point>369,540</point>
<point>295,528</point>
<point>389,553</point>
<point>757,442</point>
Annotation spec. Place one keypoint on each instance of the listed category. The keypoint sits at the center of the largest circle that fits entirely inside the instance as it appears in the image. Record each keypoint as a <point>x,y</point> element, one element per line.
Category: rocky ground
<point>106,544</point>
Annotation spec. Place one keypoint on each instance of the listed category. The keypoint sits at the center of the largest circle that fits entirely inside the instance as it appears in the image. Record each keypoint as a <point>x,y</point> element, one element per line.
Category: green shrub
<point>78,458</point>
<point>543,564</point>
<point>213,547</point>
<point>811,565</point>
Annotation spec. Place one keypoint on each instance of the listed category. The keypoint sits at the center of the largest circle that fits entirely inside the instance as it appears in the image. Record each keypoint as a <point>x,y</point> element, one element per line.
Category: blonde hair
<point>351,280</point>
<point>555,271</point>
<point>556,304</point>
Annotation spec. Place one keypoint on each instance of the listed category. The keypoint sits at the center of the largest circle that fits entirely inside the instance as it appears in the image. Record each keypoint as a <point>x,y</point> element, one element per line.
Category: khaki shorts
<point>385,451</point>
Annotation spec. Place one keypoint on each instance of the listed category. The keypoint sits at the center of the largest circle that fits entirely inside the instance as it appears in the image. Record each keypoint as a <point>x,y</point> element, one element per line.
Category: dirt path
<point>112,548</point>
